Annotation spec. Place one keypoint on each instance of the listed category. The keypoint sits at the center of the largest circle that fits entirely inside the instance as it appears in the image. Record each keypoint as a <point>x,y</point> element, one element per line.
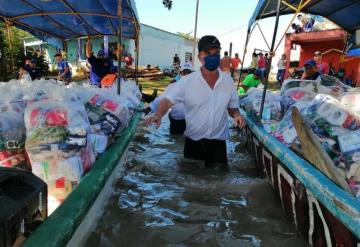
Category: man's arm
<point>88,47</point>
<point>66,70</point>
<point>162,109</point>
<point>233,110</point>
<point>239,121</point>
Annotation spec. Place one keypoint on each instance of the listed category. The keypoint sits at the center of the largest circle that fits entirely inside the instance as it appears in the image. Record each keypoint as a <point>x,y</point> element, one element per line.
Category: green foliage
<point>12,55</point>
<point>186,35</point>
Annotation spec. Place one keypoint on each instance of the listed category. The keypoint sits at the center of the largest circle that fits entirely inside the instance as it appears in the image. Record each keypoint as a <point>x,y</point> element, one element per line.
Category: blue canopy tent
<point>342,12</point>
<point>56,21</point>
<point>354,52</point>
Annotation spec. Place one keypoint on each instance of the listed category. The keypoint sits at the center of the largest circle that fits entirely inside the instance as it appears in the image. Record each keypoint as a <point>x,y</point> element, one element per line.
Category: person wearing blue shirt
<point>100,65</point>
<point>63,68</point>
<point>311,70</point>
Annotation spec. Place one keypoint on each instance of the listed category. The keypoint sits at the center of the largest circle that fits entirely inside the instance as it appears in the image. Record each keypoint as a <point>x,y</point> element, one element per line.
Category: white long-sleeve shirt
<point>206,109</point>
<point>177,111</point>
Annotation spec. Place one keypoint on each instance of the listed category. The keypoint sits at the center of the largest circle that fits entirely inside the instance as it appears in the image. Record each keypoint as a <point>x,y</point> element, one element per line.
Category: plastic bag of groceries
<point>12,97</point>
<point>325,112</point>
<point>297,94</point>
<point>350,155</point>
<point>285,131</point>
<point>252,104</point>
<point>57,143</point>
<point>12,140</point>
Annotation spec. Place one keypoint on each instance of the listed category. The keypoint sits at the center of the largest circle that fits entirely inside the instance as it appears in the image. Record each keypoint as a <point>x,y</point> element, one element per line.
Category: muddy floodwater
<point>163,200</point>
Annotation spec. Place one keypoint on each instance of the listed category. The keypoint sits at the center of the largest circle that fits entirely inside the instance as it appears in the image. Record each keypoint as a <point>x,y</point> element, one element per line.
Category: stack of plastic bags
<point>12,128</point>
<point>333,111</point>
<point>58,131</point>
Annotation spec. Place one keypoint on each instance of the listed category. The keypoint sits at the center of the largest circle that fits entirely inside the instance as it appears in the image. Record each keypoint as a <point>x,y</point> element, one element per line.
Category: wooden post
<point>230,50</point>
<point>268,67</point>
<point>195,31</point>
<point>137,49</point>
<point>119,33</point>
<point>8,29</point>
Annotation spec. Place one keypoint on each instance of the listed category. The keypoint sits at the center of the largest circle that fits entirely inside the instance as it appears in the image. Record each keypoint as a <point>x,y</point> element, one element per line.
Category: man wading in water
<point>208,95</point>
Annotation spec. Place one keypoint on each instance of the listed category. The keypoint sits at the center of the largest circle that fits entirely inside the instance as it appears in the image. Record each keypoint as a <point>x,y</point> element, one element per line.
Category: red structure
<point>331,43</point>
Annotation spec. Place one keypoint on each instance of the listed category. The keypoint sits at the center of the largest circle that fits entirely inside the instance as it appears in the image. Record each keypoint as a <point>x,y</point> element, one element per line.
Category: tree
<point>186,35</point>
<point>12,55</point>
<point>11,51</point>
<point>167,4</point>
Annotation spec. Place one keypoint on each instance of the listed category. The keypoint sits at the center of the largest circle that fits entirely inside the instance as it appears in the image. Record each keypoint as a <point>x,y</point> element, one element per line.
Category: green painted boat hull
<point>60,227</point>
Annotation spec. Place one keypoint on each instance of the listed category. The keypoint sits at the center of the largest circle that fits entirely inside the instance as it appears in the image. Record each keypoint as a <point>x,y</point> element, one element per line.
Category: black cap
<point>207,42</point>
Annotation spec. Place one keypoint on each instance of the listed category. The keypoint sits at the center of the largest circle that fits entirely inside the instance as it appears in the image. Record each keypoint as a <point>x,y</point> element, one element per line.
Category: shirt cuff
<point>171,99</point>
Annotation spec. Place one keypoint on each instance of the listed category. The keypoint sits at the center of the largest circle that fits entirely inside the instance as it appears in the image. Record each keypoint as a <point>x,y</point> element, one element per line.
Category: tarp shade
<point>354,53</point>
<point>58,20</point>
<point>344,13</point>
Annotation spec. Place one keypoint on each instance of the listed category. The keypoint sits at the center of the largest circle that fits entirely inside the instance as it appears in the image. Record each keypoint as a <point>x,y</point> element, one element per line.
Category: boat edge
<point>59,228</point>
<point>326,191</point>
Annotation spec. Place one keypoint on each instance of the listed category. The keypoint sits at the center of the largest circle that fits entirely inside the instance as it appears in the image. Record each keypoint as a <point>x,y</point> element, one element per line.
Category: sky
<point>226,19</point>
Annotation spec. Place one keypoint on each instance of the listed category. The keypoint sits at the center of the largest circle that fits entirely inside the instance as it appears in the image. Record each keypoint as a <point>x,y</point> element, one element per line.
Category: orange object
<point>108,80</point>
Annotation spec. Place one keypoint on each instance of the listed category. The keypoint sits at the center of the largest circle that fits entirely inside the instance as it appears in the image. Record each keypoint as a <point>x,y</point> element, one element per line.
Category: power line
<point>233,30</point>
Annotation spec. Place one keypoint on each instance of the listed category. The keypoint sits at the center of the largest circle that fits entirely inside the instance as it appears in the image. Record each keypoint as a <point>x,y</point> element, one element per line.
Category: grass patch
<point>150,84</point>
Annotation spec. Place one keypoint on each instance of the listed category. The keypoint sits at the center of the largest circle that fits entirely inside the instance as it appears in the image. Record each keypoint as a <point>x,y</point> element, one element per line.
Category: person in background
<point>281,69</point>
<point>124,52</point>
<point>268,64</point>
<point>176,62</point>
<point>209,95</point>
<point>129,60</point>
<point>225,63</point>
<point>235,64</point>
<point>323,67</point>
<point>24,75</point>
<point>63,69</point>
<point>251,80</point>
<point>177,113</point>
<point>311,71</point>
<point>32,69</point>
<point>262,66</point>
<point>297,28</point>
<point>254,63</point>
<point>100,65</point>
<point>267,59</point>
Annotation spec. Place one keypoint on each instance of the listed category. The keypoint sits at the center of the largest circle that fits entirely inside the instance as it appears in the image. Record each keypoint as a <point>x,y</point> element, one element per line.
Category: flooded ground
<point>163,200</point>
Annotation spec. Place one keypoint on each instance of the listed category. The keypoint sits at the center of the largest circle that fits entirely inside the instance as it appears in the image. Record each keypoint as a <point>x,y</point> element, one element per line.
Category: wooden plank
<point>314,153</point>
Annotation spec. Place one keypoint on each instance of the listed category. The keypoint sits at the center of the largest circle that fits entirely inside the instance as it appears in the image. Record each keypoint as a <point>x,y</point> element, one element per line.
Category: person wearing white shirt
<point>24,75</point>
<point>177,112</point>
<point>208,95</point>
<point>281,69</point>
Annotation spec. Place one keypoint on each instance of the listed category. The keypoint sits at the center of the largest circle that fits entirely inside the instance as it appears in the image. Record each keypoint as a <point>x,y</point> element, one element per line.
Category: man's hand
<point>239,121</point>
<point>153,119</point>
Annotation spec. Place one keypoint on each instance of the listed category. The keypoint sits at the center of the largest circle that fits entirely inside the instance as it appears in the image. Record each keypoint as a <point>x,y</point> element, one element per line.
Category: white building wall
<point>158,47</point>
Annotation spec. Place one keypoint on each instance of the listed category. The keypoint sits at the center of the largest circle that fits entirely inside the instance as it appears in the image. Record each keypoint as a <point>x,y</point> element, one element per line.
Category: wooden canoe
<point>72,221</point>
<point>323,212</point>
